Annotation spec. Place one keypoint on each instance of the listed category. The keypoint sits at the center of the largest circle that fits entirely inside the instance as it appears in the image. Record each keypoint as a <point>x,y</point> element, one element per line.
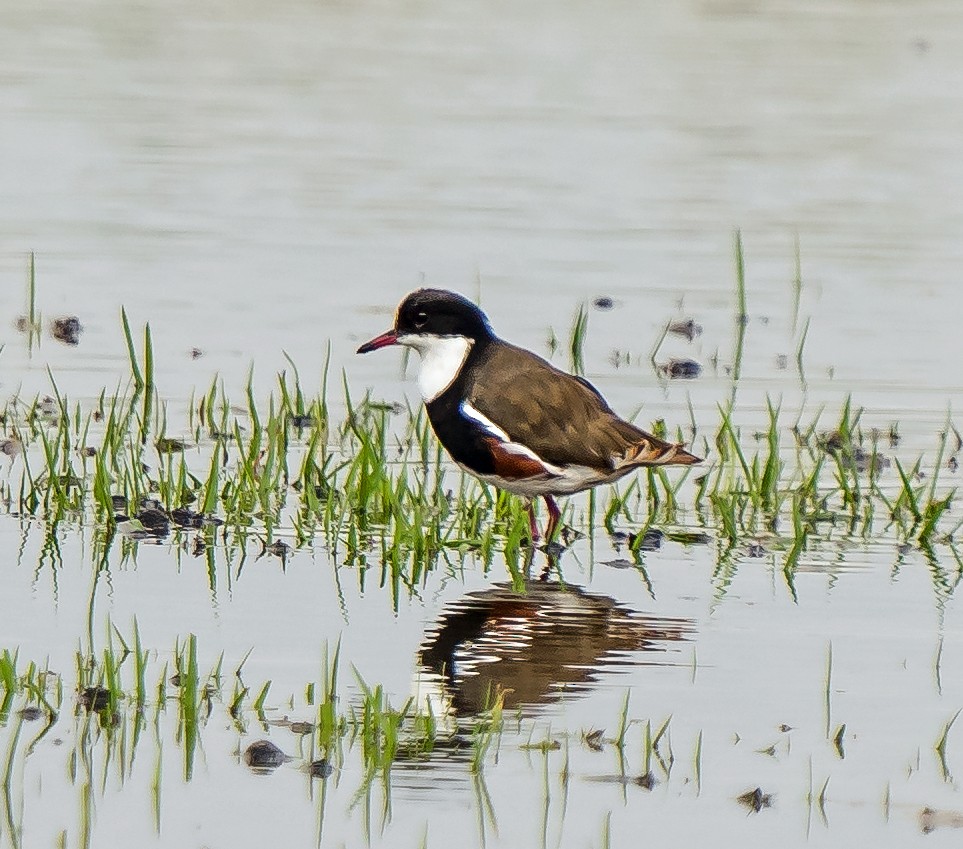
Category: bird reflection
<point>550,642</point>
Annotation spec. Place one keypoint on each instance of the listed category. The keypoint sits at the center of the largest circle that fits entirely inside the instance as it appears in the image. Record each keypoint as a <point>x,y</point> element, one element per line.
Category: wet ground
<point>260,180</point>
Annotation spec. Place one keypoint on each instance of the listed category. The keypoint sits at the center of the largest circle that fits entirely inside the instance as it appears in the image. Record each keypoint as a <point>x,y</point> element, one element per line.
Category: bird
<point>511,418</point>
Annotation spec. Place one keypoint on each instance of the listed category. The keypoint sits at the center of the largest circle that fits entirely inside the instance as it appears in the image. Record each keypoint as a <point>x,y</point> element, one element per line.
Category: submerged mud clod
<point>11,446</point>
<point>155,521</point>
<point>94,698</point>
<point>651,540</point>
<point>66,329</point>
<point>680,369</point>
<point>264,756</point>
<point>31,713</point>
<point>278,548</point>
<point>184,517</point>
<point>321,768</point>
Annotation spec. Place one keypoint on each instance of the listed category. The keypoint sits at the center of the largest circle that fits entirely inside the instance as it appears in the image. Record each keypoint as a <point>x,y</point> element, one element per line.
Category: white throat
<point>441,359</point>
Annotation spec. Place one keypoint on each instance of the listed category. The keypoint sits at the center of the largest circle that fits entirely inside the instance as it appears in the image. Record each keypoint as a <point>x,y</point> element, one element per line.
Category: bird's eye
<point>421,319</point>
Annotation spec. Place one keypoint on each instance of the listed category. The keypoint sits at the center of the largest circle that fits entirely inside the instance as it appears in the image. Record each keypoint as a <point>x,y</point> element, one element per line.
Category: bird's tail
<point>655,452</point>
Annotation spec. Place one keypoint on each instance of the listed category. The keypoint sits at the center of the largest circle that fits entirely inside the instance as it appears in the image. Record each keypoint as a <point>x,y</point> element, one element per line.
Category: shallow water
<point>253,180</point>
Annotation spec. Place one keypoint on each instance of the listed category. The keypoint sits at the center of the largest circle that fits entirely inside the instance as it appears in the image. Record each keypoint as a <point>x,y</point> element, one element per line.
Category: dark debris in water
<point>651,540</point>
<point>833,441</point>
<point>320,768</point>
<point>603,302</point>
<point>755,800</point>
<point>296,726</point>
<point>686,327</point>
<point>853,456</point>
<point>66,329</point>
<point>152,521</point>
<point>11,446</point>
<point>31,713</point>
<point>155,522</point>
<point>94,698</point>
<point>864,461</point>
<point>301,421</point>
<point>647,781</point>
<point>264,756</point>
<point>278,548</point>
<point>184,517</point>
<point>170,445</point>
<point>680,369</point>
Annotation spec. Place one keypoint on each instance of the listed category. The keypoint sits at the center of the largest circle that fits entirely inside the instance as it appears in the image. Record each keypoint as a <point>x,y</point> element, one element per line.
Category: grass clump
<point>378,491</point>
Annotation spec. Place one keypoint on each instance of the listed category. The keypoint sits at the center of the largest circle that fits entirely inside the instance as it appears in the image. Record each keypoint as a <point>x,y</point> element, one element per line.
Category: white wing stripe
<point>470,412</point>
<point>514,447</point>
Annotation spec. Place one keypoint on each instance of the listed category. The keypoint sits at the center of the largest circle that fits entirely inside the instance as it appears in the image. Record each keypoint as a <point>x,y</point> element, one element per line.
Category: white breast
<point>441,359</point>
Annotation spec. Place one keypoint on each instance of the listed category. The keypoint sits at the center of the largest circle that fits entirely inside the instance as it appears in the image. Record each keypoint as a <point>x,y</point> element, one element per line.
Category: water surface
<point>257,179</point>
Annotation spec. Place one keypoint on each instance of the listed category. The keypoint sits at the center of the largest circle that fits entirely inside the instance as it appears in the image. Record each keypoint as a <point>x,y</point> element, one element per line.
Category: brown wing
<point>562,418</point>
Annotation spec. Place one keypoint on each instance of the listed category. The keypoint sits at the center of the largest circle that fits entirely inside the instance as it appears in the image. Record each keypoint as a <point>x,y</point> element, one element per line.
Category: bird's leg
<point>554,514</point>
<point>551,563</point>
<point>532,523</point>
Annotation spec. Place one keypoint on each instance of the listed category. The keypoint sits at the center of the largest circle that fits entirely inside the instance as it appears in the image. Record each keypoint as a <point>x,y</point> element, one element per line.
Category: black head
<point>437,312</point>
<point>433,313</point>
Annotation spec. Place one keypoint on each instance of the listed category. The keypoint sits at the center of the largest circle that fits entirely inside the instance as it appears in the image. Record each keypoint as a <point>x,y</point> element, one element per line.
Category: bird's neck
<point>442,359</point>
